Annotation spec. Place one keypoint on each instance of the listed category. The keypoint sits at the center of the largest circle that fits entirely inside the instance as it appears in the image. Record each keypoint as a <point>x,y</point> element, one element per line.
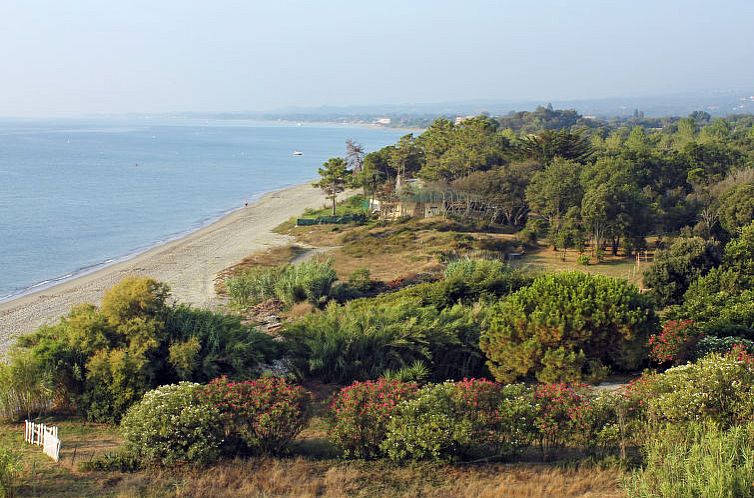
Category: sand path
<point>189,265</point>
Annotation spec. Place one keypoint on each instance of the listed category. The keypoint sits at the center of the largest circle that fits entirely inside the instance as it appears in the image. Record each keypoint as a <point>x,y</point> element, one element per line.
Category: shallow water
<point>75,194</point>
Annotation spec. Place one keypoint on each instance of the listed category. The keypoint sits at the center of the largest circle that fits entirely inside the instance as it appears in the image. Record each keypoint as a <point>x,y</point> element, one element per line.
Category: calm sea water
<point>77,194</point>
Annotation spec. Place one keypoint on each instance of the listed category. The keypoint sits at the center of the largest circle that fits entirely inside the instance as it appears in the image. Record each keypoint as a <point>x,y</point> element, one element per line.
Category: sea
<point>79,194</point>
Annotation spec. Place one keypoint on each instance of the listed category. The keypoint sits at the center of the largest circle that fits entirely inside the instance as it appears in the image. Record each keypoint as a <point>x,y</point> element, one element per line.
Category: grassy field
<point>44,477</point>
<point>612,266</point>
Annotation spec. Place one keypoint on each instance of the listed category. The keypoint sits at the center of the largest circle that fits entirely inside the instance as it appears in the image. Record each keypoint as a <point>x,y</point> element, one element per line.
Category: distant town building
<point>383,121</point>
<point>461,119</point>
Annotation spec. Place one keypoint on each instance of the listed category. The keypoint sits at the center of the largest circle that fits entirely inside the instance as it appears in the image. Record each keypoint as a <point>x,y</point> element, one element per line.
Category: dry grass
<point>303,479</point>
<point>396,250</point>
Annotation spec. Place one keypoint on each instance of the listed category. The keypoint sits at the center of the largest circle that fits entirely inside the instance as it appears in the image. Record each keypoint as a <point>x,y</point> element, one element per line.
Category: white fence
<point>44,436</point>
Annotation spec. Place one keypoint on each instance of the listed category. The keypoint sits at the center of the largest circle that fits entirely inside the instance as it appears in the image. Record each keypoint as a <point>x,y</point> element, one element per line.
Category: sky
<point>82,57</point>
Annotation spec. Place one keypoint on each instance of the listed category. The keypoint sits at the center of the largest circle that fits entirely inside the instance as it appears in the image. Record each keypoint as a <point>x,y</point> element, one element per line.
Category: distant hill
<point>722,103</point>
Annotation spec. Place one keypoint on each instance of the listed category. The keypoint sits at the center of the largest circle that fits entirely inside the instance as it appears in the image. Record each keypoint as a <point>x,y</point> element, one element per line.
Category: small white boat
<point>298,153</point>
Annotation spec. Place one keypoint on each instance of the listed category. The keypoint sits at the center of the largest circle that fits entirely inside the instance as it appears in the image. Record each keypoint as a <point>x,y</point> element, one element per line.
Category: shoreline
<point>93,268</point>
<point>188,263</point>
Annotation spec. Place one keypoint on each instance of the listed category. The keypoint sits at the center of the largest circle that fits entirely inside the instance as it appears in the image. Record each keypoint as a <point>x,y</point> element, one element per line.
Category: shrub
<point>102,360</point>
<point>361,280</point>
<point>675,268</point>
<point>360,413</point>
<point>583,260</point>
<point>252,286</point>
<point>736,207</point>
<point>428,427</point>
<point>694,461</point>
<point>562,416</point>
<point>481,402</point>
<point>517,414</point>
<point>717,387</point>
<point>606,318</point>
<point>170,425</point>
<point>307,281</point>
<point>722,345</point>
<point>123,461</point>
<point>561,365</point>
<point>469,280</point>
<point>226,347</point>
<point>266,414</point>
<point>362,339</point>
<point>26,387</point>
<point>449,421</point>
<point>721,303</point>
<point>416,372</point>
<point>10,467</point>
<point>675,344</point>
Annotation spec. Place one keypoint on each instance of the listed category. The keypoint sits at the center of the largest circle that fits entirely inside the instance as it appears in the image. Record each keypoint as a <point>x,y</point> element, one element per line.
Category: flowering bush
<point>170,426</point>
<point>266,414</point>
<point>675,344</point>
<point>361,412</point>
<point>451,420</point>
<point>517,413</point>
<point>716,387</point>
<point>563,414</point>
<point>429,426</point>
<point>478,401</point>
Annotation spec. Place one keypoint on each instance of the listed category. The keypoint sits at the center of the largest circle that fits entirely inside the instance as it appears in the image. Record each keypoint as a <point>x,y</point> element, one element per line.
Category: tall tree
<point>335,177</point>
<point>354,156</point>
<point>405,156</point>
<point>550,144</point>
<point>553,191</point>
<point>502,189</point>
<point>454,151</point>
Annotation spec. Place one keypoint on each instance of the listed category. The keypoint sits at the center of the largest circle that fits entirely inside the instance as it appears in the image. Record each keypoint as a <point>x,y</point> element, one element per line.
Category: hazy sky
<point>80,56</point>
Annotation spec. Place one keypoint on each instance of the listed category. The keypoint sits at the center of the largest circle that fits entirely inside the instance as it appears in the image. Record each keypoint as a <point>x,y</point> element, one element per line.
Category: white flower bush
<point>717,387</point>
<point>170,426</point>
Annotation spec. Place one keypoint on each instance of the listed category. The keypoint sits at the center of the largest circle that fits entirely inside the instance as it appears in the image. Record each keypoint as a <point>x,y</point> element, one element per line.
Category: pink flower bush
<point>266,414</point>
<point>675,343</point>
<point>361,412</point>
<point>564,413</point>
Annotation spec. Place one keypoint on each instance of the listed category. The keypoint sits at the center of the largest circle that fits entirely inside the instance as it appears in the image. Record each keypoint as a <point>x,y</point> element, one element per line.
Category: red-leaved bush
<point>266,414</point>
<point>360,413</point>
<point>675,343</point>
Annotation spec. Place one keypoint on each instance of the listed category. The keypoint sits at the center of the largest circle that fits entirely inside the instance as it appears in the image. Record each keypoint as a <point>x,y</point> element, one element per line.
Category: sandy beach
<point>189,265</point>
